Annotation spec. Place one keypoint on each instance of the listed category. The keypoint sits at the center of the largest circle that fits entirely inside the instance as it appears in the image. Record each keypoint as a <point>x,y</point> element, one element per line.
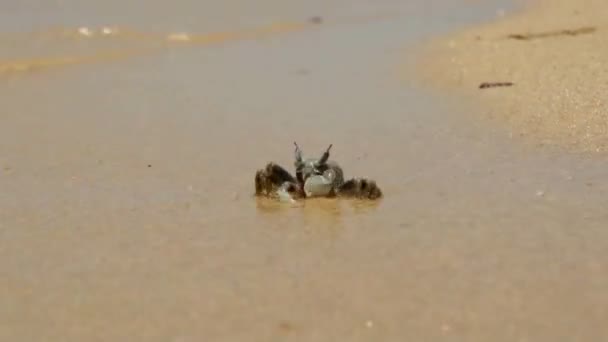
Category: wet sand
<point>126,207</point>
<point>554,52</point>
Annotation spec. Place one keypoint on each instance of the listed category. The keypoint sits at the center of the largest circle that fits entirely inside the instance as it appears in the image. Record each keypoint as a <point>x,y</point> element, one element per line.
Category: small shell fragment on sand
<point>85,31</point>
<point>180,37</point>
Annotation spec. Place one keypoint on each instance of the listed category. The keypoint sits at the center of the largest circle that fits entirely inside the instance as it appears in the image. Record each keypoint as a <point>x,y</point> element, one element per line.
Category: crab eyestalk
<point>299,164</point>
<point>325,157</point>
<point>298,153</point>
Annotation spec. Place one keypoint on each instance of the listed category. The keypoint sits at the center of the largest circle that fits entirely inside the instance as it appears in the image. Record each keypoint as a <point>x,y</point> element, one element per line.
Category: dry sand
<point>560,77</point>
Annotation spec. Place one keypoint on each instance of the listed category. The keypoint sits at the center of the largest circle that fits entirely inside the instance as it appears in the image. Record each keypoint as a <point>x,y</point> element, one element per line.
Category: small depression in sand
<point>129,140</point>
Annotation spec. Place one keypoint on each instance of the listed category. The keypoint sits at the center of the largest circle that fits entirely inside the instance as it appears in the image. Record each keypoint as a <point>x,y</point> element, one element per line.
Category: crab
<point>314,177</point>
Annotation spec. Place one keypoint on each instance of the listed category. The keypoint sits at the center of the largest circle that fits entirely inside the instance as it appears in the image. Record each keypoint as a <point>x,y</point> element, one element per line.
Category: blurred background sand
<point>130,134</point>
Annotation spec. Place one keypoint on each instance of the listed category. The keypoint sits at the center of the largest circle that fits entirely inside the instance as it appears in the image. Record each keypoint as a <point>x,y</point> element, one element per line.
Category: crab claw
<point>320,185</point>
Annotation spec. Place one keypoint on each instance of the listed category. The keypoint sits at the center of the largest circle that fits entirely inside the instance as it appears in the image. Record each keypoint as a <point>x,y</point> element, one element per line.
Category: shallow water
<point>126,211</point>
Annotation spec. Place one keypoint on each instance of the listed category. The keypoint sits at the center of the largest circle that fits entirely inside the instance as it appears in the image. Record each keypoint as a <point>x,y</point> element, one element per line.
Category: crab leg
<point>360,188</point>
<point>271,177</point>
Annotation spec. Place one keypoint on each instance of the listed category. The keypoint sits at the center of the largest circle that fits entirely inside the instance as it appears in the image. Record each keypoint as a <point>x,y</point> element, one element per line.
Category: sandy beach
<point>130,137</point>
<point>554,53</point>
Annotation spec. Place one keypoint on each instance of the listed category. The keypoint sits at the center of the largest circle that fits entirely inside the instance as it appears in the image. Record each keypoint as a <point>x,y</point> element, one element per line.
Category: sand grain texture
<point>555,53</point>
